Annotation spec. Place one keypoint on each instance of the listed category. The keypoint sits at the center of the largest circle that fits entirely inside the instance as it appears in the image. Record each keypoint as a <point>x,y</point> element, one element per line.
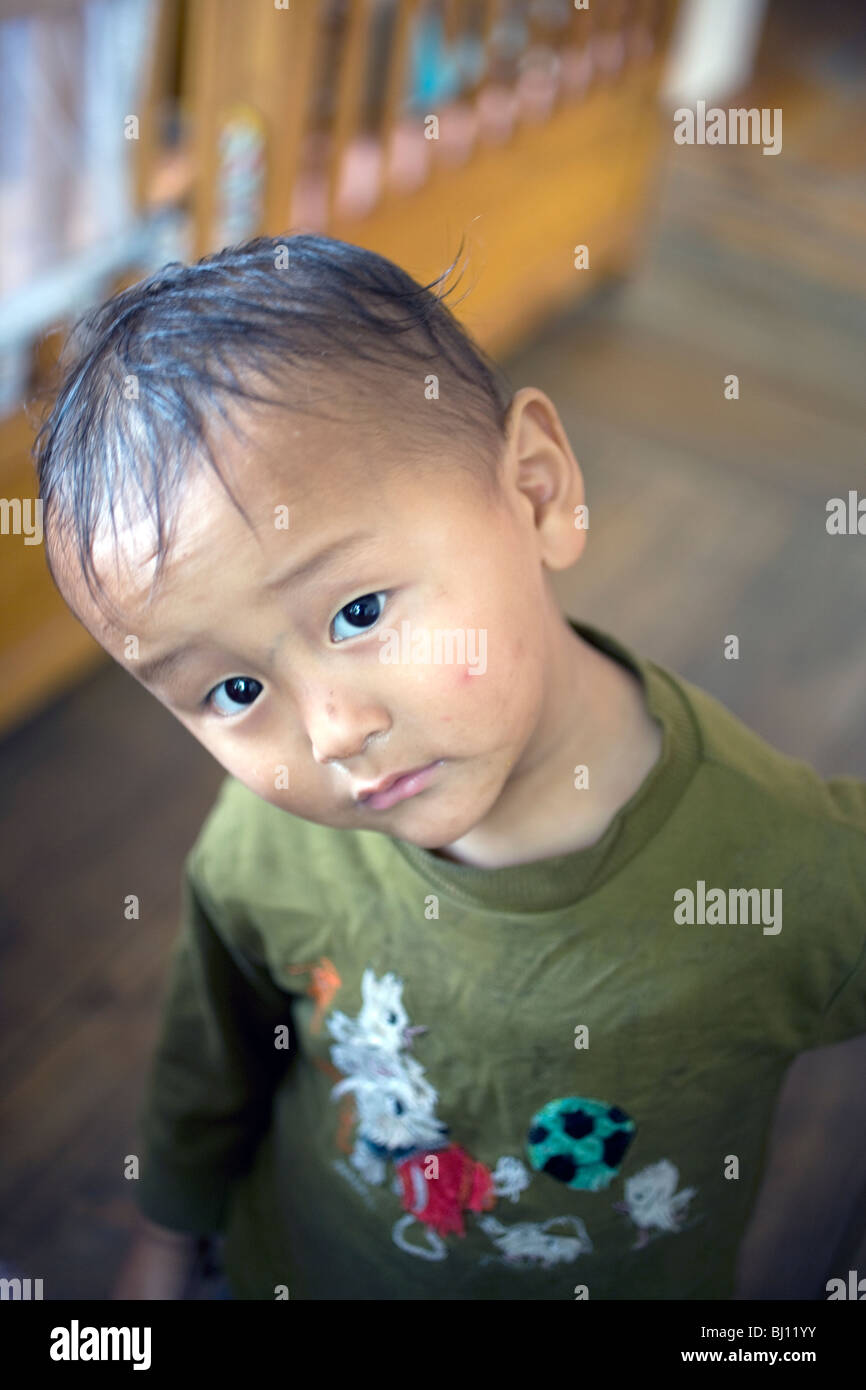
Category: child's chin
<point>433,832</point>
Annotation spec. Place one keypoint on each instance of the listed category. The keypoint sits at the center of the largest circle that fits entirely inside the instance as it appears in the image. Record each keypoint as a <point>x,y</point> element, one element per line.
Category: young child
<point>500,941</point>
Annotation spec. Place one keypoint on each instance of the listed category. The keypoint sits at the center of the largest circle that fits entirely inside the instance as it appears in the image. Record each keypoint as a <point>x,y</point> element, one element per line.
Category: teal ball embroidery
<point>580,1142</point>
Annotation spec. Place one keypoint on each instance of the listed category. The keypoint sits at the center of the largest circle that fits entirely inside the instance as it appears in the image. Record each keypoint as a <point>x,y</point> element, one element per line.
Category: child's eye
<point>363,611</point>
<point>244,691</point>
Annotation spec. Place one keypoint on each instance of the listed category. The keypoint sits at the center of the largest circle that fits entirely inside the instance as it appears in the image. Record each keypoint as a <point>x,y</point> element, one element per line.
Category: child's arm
<point>809,1215</point>
<point>210,1088</point>
<point>809,1219</point>
<point>158,1264</point>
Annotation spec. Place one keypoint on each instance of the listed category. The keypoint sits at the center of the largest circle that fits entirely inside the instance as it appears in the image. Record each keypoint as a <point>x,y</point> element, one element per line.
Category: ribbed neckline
<point>543,885</point>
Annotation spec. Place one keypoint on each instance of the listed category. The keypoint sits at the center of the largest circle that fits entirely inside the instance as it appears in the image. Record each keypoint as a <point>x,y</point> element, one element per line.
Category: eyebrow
<point>159,668</point>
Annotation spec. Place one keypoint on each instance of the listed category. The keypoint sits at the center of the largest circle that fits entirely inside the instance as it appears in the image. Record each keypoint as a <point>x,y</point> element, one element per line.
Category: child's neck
<point>599,719</point>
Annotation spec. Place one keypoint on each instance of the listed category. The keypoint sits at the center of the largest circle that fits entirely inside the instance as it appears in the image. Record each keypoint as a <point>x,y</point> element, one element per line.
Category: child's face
<point>339,707</point>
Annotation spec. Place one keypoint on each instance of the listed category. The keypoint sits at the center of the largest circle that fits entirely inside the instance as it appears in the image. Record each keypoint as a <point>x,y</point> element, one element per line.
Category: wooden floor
<point>707,518</point>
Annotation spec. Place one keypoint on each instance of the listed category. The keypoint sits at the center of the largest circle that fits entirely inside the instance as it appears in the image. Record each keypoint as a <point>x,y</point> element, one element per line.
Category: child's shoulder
<point>716,749</point>
<point>746,765</point>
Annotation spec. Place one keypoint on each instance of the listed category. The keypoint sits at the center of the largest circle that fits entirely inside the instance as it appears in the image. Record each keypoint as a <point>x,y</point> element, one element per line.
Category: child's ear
<point>541,467</point>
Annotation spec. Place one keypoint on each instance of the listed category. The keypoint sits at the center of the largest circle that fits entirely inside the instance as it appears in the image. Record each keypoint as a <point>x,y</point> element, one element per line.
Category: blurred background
<point>138,131</point>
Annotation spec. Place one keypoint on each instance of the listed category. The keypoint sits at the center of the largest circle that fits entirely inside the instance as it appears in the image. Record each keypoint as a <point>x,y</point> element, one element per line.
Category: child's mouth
<point>408,785</point>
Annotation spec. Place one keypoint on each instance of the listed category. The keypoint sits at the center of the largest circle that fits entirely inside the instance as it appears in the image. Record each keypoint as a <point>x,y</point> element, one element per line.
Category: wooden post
<point>354,52</point>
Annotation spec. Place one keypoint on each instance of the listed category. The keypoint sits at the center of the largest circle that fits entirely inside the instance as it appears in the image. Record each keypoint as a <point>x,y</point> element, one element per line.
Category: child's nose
<point>341,728</point>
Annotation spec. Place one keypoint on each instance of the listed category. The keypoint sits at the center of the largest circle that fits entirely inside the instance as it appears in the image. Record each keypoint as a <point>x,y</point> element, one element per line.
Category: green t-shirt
<point>385,1075</point>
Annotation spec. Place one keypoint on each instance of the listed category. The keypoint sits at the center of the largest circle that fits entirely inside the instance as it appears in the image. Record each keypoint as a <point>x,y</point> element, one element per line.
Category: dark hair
<point>191,338</point>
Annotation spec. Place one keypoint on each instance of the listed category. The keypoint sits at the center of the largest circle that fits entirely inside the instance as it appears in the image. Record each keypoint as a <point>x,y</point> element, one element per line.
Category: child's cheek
<point>461,684</point>
<point>471,680</point>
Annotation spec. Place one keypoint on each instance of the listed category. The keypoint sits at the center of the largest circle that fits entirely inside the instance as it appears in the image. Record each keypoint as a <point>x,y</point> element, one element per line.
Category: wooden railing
<point>321,117</point>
